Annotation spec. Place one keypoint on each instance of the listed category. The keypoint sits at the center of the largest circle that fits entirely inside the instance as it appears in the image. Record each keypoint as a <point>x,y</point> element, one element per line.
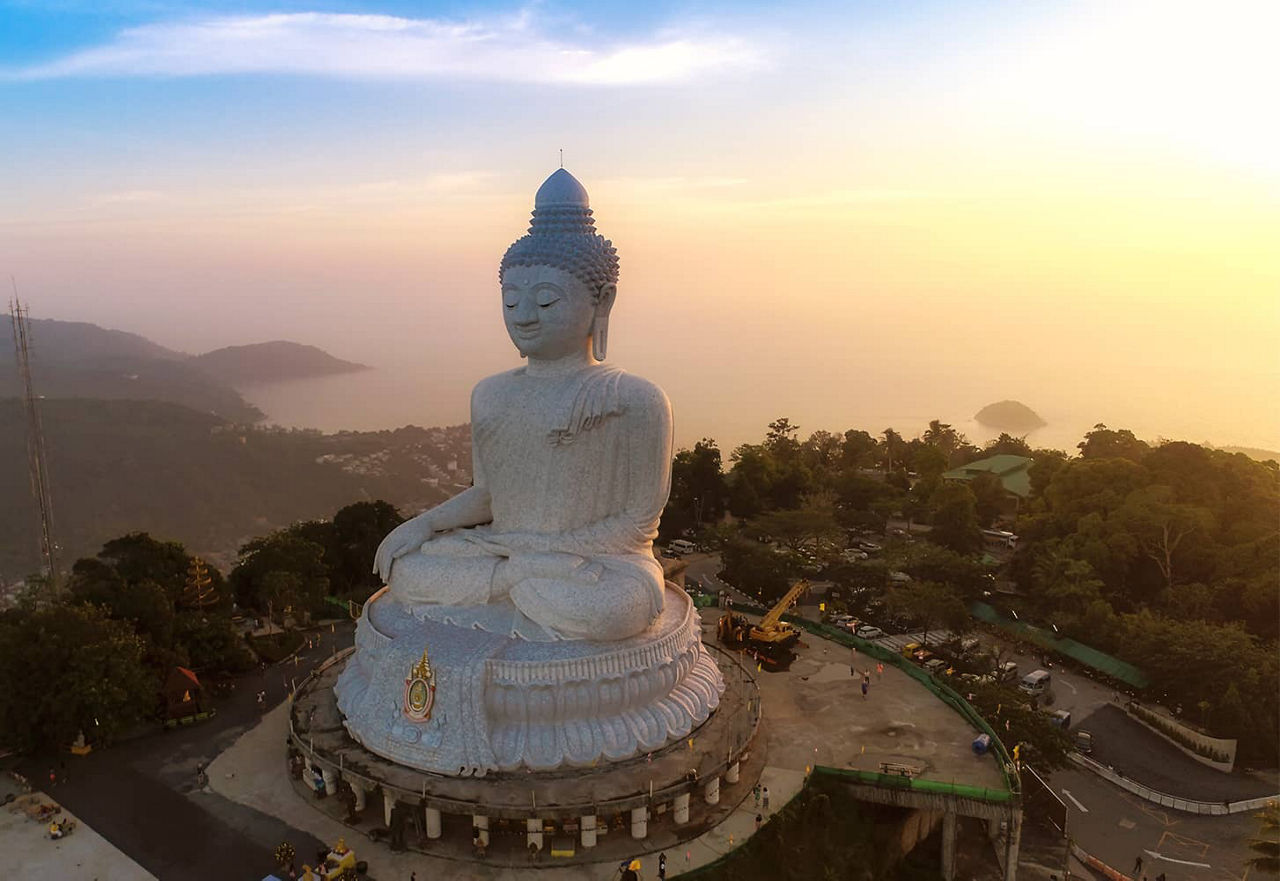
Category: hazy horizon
<point>834,213</point>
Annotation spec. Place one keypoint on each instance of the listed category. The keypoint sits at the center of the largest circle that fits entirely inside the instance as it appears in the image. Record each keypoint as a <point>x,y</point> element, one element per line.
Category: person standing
<point>662,866</point>
<point>1137,865</point>
<point>864,689</point>
<point>765,797</point>
<point>759,821</point>
<point>755,790</point>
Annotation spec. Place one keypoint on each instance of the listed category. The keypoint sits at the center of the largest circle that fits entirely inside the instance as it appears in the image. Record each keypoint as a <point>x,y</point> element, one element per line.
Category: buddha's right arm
<point>471,507</point>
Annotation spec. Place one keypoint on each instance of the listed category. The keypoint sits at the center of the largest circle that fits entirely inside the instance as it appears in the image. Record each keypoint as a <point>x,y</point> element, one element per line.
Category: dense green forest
<point>129,466</point>
<point>1167,555</point>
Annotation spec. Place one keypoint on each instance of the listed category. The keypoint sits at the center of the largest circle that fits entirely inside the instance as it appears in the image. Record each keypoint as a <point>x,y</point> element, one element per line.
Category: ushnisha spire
<point>563,234</point>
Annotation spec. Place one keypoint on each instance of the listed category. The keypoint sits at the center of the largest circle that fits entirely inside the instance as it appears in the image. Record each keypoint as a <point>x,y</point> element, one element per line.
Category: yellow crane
<point>771,636</point>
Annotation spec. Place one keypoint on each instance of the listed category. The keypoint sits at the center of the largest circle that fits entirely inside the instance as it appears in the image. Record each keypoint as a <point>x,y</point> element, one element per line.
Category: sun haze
<point>847,214</point>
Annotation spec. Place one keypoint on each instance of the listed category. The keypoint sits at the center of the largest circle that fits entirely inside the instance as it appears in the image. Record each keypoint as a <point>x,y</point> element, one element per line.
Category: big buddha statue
<point>572,458</point>
<point>525,621</point>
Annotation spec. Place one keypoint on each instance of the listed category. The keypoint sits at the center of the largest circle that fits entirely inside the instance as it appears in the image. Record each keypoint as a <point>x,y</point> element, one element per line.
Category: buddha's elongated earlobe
<point>600,324</point>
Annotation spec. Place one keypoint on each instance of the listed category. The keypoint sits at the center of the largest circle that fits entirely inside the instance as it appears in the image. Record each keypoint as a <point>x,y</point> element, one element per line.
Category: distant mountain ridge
<point>271,362</point>
<point>76,359</point>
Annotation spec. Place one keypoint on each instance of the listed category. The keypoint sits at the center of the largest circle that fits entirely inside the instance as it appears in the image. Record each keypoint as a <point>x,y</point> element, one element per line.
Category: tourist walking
<point>662,866</point>
<point>1137,865</point>
<point>764,795</point>
<point>864,688</point>
<point>759,820</point>
<point>755,790</point>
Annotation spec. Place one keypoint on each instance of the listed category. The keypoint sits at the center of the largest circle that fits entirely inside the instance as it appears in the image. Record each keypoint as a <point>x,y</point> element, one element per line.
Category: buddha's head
<point>559,281</point>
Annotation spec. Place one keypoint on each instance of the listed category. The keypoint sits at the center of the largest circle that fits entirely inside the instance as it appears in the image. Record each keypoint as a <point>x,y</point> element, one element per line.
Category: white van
<point>1037,683</point>
<point>682,547</point>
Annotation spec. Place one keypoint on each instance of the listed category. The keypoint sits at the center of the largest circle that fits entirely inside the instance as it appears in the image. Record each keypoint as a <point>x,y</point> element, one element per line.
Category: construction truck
<point>771,639</point>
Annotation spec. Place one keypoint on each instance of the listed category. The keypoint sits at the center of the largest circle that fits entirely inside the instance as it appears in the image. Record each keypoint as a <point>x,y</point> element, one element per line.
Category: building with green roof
<point>1014,473</point>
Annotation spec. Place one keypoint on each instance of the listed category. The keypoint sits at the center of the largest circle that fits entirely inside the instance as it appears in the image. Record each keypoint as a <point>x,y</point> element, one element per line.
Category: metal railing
<point>1190,805</point>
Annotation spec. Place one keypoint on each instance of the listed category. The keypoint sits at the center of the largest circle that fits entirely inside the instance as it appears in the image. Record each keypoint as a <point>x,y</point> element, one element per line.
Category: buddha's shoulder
<point>636,391</point>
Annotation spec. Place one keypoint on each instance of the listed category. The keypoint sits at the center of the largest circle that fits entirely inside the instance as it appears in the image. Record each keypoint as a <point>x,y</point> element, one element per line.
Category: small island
<point>1014,417</point>
<point>275,361</point>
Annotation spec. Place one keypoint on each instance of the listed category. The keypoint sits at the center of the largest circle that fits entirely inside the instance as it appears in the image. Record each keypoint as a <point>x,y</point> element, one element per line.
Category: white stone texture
<point>535,592</point>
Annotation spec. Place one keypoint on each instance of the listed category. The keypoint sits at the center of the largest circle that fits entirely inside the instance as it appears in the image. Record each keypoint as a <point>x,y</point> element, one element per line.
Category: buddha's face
<point>548,312</point>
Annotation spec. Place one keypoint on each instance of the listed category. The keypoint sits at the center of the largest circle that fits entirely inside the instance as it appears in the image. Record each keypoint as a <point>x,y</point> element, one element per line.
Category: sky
<point>842,213</point>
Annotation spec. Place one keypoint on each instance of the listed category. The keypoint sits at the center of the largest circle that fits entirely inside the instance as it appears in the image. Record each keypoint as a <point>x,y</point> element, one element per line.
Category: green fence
<point>940,690</point>
<point>1078,651</point>
<point>896,781</point>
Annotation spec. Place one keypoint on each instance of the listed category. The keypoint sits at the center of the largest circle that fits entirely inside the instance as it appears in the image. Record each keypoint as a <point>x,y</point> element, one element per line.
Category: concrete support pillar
<point>993,828</point>
<point>731,773</point>
<point>330,781</point>
<point>481,823</point>
<point>711,791</point>
<point>948,845</point>
<point>1011,845</point>
<point>680,809</point>
<point>388,803</point>
<point>357,789</point>
<point>533,832</point>
<point>433,823</point>
<point>639,823</point>
<point>588,830</point>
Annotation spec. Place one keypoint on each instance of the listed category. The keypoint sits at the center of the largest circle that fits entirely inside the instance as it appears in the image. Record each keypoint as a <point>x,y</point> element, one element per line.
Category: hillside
<point>75,359</point>
<point>1014,417</point>
<point>270,362</point>
<point>122,466</point>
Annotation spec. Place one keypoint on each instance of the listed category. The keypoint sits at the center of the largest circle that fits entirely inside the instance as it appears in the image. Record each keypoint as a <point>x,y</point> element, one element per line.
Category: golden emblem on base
<point>420,690</point>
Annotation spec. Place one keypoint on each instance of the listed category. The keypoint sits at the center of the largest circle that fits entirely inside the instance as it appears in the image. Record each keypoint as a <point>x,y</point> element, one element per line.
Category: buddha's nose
<point>526,313</point>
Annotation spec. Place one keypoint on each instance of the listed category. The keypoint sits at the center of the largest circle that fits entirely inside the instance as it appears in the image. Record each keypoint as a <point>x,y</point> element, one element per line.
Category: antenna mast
<point>36,460</point>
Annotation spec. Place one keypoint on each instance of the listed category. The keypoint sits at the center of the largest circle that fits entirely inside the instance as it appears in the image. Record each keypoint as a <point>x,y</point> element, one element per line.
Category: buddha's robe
<point>577,470</point>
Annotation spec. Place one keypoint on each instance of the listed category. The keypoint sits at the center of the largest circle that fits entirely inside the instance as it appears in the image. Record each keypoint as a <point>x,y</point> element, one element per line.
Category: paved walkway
<point>253,773</point>
<point>84,854</point>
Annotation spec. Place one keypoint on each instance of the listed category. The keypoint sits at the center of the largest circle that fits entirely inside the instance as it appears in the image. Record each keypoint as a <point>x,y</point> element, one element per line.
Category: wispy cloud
<point>501,49</point>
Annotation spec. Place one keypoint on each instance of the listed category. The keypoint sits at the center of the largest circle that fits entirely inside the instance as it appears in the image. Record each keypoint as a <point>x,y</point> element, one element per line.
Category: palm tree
<point>1268,843</point>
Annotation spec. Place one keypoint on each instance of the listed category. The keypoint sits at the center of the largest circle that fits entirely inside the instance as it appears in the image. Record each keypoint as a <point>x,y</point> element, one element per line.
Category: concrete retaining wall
<point>1217,744</point>
<point>1190,805</point>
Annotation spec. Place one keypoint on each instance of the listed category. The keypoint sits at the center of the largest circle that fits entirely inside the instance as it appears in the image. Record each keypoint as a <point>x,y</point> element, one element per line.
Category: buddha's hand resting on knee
<point>405,538</point>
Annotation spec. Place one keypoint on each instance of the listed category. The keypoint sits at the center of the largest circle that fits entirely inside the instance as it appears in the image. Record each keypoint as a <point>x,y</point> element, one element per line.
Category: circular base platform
<point>683,768</point>
<point>455,691</point>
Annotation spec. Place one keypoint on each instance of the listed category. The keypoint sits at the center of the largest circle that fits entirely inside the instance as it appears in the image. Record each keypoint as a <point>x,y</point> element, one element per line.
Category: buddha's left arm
<point>647,424</point>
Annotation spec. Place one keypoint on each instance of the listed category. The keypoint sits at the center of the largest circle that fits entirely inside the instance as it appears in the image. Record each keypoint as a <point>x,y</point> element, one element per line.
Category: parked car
<point>868,631</point>
<point>1084,742</point>
<point>1061,718</point>
<point>681,546</point>
<point>936,666</point>
<point>1006,672</point>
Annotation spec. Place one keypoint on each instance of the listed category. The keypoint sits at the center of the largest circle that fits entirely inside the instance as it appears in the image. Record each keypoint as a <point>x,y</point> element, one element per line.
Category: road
<point>141,794</point>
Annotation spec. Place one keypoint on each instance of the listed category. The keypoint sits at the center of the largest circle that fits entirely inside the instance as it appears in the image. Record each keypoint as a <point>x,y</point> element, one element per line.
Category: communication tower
<point>37,462</point>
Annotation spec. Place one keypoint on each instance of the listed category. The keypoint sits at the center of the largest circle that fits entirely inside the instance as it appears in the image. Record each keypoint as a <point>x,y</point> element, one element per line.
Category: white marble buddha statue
<point>571,459</point>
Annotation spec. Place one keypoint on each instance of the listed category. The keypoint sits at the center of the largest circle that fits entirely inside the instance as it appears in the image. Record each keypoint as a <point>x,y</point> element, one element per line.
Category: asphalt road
<point>141,794</point>
<point>1117,827</point>
<point>1142,755</point>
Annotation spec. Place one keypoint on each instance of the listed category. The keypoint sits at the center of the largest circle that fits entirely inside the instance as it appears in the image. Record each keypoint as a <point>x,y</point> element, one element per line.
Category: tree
<point>989,497</point>
<point>930,604</point>
<point>698,489</point>
<point>755,568</point>
<point>67,669</point>
<point>138,557</point>
<point>1107,443</point>
<point>750,480</point>
<point>955,521</point>
<point>813,524</point>
<point>944,438</point>
<point>1008,445</point>
<point>1161,526</point>
<point>356,532</point>
<point>280,570</point>
<point>1017,722</point>
<point>781,440</point>
<point>1267,844</point>
<point>858,449</point>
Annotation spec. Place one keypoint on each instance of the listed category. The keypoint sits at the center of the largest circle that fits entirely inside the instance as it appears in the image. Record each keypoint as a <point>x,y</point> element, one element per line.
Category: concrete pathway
<point>84,854</point>
<point>253,773</point>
